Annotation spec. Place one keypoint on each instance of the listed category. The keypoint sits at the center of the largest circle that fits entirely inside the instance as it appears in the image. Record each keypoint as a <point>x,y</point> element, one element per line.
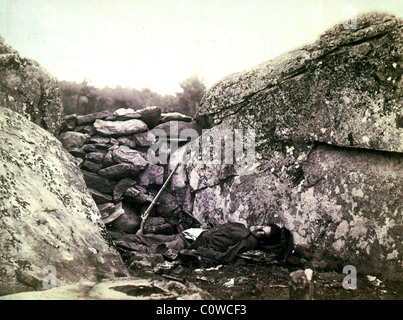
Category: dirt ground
<point>247,279</point>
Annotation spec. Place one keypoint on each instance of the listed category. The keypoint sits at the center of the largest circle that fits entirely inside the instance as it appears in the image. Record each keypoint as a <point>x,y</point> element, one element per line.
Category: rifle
<point>145,215</point>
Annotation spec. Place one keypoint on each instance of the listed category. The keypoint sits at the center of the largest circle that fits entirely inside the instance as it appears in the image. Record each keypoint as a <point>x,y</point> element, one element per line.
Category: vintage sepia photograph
<point>196,157</point>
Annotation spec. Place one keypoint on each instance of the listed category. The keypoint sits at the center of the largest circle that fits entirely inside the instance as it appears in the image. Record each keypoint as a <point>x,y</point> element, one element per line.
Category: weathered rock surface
<point>124,114</point>
<point>150,115</point>
<point>124,154</point>
<point>125,141</point>
<point>144,139</point>
<point>99,197</point>
<point>120,171</point>
<point>121,188</point>
<point>158,225</point>
<point>91,166</point>
<point>96,157</point>
<point>138,194</point>
<point>90,118</point>
<point>28,89</point>
<point>47,214</point>
<point>71,140</point>
<point>153,174</point>
<point>345,90</point>
<point>96,182</point>
<point>329,141</point>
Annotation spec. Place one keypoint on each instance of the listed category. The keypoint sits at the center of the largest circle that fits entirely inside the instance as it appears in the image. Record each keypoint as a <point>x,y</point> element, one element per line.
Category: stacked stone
<point>111,150</point>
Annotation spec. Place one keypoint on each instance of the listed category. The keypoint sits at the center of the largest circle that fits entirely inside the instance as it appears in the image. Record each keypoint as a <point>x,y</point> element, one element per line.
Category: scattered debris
<point>230,283</point>
<point>374,280</point>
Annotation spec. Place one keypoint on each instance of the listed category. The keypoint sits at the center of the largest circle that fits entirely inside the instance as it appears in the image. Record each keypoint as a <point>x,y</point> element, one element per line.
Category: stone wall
<point>111,148</point>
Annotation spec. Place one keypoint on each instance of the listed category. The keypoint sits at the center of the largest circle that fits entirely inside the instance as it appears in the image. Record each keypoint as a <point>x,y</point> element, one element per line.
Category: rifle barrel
<point>147,212</point>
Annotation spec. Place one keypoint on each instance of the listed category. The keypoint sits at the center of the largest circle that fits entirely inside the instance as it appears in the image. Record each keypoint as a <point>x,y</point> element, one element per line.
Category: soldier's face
<point>260,231</point>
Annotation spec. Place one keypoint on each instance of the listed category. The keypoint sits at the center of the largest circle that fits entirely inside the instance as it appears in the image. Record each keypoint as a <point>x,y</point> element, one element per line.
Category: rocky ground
<point>251,280</point>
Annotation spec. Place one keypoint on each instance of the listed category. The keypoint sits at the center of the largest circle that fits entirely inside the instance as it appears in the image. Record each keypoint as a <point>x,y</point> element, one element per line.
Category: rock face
<point>48,218</point>
<point>328,123</point>
<point>345,90</point>
<point>27,88</point>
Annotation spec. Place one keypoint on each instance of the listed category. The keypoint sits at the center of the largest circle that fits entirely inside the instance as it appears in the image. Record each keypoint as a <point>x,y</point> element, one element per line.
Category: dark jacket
<point>224,242</point>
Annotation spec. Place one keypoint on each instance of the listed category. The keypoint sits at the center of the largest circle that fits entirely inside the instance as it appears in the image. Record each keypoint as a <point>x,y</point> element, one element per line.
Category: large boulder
<point>327,151</point>
<point>48,217</point>
<point>345,90</point>
<point>27,88</point>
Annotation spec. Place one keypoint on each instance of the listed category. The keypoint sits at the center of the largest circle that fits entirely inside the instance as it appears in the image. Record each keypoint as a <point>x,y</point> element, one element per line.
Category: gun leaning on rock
<point>145,215</point>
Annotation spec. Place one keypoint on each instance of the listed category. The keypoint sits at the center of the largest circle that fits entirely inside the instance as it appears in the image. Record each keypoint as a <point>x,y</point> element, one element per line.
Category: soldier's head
<point>267,235</point>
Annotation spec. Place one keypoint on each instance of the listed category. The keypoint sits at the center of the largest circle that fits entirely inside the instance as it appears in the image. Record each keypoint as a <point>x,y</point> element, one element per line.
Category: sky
<point>157,44</point>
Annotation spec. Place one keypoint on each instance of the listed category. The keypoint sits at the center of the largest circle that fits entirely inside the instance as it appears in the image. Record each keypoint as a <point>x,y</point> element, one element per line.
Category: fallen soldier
<point>213,246</point>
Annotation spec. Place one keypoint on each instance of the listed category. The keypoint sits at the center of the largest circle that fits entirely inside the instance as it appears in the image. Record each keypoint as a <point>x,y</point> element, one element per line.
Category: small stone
<point>166,204</point>
<point>119,171</point>
<point>144,139</point>
<point>125,114</point>
<point>89,118</point>
<point>108,160</point>
<point>102,146</point>
<point>125,141</point>
<point>73,140</point>
<point>99,197</point>
<point>132,193</point>
<point>79,129</point>
<point>96,157</point>
<point>98,183</point>
<point>120,128</point>
<point>91,166</point>
<point>138,194</point>
<point>150,115</point>
<point>89,129</point>
<point>89,148</point>
<point>70,121</point>
<point>99,139</point>
<point>158,225</point>
<point>153,174</point>
<point>121,188</point>
<point>78,153</point>
<point>125,154</point>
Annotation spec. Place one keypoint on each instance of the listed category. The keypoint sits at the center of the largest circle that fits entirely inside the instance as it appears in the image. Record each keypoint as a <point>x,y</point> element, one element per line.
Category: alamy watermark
<point>350,281</point>
<point>50,280</point>
<point>216,147</point>
<point>350,17</point>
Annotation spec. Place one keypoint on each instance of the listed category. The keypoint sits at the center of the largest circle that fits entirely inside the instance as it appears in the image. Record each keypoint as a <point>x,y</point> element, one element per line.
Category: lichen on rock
<point>30,90</point>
